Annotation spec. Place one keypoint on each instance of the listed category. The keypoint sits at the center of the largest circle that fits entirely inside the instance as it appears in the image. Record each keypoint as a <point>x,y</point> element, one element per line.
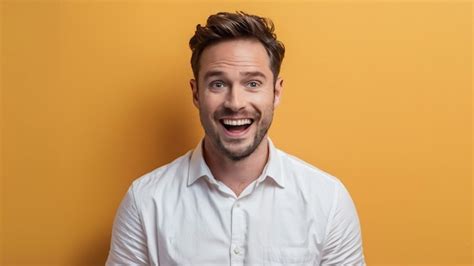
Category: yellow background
<point>95,94</point>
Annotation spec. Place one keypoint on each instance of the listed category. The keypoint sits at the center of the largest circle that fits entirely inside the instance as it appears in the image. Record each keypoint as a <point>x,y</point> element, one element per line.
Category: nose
<point>235,99</point>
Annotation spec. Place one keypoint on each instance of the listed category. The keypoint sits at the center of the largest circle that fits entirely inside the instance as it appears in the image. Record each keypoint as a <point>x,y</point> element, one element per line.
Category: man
<point>236,199</point>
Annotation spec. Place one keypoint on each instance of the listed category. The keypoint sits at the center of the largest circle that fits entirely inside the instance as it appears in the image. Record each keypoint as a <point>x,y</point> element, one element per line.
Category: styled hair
<point>227,26</point>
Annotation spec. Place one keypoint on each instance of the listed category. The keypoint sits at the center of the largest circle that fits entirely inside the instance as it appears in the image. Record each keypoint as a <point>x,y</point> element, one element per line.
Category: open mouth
<point>236,126</point>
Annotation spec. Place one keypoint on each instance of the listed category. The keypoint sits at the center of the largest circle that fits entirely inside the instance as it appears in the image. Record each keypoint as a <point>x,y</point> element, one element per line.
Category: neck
<point>237,175</point>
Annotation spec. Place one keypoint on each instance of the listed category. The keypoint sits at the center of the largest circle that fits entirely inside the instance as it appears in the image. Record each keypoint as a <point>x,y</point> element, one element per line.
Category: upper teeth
<point>236,122</point>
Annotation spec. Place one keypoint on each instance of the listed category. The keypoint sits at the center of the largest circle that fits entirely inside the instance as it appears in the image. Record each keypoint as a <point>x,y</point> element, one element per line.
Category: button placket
<point>239,228</point>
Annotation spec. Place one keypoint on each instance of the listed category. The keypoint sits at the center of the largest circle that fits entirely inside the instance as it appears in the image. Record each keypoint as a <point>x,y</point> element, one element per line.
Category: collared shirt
<point>292,214</point>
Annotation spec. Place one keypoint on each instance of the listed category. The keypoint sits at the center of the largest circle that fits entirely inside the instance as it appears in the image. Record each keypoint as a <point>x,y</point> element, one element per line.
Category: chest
<point>265,228</point>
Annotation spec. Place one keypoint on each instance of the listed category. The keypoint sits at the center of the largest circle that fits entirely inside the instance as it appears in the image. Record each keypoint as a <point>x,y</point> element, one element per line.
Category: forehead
<point>235,55</point>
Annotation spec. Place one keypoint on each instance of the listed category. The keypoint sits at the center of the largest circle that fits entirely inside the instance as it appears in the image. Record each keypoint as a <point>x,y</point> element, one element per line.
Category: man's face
<point>236,95</point>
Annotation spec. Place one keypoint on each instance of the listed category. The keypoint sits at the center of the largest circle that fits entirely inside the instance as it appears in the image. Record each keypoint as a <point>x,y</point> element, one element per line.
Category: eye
<point>217,84</point>
<point>254,84</point>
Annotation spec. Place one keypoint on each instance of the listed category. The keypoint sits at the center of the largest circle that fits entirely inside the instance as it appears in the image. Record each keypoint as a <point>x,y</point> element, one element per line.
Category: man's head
<point>227,26</point>
<point>236,60</point>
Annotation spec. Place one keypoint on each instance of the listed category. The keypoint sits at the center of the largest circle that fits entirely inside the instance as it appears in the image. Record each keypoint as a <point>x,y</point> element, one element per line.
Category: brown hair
<point>227,26</point>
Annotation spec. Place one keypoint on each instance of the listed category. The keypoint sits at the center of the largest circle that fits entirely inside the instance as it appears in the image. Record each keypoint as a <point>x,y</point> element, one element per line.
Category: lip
<point>235,134</point>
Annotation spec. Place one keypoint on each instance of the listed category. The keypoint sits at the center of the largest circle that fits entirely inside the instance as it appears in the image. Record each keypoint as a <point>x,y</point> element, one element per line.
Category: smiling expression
<point>236,94</point>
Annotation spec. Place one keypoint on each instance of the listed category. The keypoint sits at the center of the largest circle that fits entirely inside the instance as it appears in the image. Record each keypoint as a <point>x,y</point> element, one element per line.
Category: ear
<point>278,91</point>
<point>194,89</point>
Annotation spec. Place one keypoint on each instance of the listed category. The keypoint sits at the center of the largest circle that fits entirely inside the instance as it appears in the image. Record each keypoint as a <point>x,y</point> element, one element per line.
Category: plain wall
<point>95,94</point>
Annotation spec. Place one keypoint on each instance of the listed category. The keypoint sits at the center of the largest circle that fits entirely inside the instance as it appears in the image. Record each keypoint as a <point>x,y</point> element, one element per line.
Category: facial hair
<point>262,130</point>
<point>262,123</point>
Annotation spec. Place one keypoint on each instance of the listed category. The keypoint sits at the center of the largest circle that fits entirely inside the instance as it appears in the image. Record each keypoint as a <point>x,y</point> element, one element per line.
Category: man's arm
<point>343,245</point>
<point>128,245</point>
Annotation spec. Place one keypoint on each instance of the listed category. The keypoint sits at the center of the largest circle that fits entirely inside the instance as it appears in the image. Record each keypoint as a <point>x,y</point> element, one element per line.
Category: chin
<point>239,151</point>
<point>237,156</point>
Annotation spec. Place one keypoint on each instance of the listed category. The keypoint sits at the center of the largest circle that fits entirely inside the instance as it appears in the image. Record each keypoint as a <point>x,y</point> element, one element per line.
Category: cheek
<point>267,96</point>
<point>208,107</point>
<point>265,103</point>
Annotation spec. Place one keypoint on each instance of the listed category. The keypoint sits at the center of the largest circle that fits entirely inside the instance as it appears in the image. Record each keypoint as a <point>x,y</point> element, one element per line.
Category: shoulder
<point>171,174</point>
<point>304,170</point>
<point>308,178</point>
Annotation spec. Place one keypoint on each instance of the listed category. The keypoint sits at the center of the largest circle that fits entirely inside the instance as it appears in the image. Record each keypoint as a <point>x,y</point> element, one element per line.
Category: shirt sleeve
<point>128,244</point>
<point>343,245</point>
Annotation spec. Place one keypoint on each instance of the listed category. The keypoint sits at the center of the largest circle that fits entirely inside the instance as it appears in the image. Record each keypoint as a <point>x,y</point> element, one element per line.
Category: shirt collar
<point>198,167</point>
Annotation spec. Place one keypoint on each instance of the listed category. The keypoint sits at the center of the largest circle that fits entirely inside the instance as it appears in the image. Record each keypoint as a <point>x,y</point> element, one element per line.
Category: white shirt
<point>293,214</point>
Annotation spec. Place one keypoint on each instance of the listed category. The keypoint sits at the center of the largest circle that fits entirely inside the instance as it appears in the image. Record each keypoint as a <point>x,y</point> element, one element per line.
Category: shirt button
<point>237,205</point>
<point>236,251</point>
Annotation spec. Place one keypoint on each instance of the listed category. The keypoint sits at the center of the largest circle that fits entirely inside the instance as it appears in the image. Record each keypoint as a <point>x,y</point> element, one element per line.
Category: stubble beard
<point>248,150</point>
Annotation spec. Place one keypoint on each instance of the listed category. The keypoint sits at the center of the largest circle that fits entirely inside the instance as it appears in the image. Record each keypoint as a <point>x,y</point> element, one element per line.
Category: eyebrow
<point>253,74</point>
<point>213,73</point>
<point>246,73</point>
